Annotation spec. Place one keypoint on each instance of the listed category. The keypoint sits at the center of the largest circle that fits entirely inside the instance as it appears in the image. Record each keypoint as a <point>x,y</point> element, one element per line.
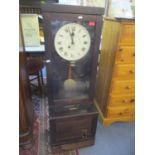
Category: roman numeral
<point>66,30</point>
<point>83,48</point>
<point>65,53</point>
<point>61,48</point>
<point>61,35</point>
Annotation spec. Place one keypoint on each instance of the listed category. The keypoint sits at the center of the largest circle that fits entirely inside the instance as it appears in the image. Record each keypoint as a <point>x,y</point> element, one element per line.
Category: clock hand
<point>71,35</point>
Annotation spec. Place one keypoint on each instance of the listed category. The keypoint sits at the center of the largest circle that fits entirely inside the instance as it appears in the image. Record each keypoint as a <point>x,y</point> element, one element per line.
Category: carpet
<point>40,144</point>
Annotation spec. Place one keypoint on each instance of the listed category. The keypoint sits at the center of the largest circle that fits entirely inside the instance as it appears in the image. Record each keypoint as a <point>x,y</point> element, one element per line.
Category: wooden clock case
<point>73,119</point>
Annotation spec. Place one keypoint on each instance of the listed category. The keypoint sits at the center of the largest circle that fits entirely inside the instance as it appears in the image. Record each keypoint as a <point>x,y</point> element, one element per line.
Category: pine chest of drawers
<point>115,89</point>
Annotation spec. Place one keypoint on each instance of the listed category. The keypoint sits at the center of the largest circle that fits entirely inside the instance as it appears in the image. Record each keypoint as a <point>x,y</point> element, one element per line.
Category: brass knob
<point>127,87</point>
<point>120,49</point>
<point>132,100</point>
<point>131,72</point>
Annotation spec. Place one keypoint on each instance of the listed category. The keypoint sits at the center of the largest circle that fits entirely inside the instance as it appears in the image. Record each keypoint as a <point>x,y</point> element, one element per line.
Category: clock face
<point>72,42</point>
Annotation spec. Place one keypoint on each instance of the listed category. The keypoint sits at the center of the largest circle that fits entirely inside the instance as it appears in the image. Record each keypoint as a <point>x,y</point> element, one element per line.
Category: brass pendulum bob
<point>70,84</point>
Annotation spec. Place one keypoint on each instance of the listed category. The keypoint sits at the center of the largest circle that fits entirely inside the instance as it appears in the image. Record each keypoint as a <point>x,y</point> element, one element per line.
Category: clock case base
<point>72,126</point>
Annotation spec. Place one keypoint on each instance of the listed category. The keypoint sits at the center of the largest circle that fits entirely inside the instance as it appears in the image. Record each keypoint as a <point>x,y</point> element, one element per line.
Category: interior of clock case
<point>71,80</point>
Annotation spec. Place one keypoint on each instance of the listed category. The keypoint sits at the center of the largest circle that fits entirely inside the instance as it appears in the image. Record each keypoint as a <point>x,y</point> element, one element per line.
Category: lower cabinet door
<point>77,128</point>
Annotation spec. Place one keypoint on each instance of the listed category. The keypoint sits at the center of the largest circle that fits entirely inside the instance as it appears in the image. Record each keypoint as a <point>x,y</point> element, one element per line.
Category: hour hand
<point>72,36</point>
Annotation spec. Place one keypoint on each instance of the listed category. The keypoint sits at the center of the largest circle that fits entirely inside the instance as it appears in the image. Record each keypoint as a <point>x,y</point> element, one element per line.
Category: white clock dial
<point>72,41</point>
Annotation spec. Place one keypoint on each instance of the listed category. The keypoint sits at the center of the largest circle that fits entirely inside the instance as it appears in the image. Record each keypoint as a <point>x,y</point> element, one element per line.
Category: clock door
<point>72,46</point>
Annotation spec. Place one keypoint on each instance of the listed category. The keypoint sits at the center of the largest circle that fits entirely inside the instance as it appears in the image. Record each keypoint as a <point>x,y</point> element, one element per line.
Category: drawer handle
<point>126,101</point>
<point>127,87</point>
<point>133,54</point>
<point>120,49</point>
<point>131,72</point>
<point>132,100</point>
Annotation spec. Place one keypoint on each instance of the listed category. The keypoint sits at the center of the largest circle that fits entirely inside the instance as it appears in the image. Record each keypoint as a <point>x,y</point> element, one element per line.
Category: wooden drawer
<point>121,111</point>
<point>124,71</point>
<point>125,54</point>
<point>127,34</point>
<point>121,100</point>
<point>123,87</point>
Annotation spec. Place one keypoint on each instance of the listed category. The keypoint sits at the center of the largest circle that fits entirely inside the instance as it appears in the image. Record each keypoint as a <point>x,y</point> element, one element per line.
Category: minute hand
<point>71,35</point>
<point>72,38</point>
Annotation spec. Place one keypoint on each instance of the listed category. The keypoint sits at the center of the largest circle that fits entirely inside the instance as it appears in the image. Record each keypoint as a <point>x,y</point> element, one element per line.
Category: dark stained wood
<point>25,103</point>
<point>59,8</point>
<point>73,130</point>
<point>99,22</point>
<point>35,53</point>
<point>71,101</point>
<point>72,145</point>
<point>66,111</point>
<point>73,121</point>
<point>32,6</point>
<point>35,66</point>
<point>50,49</point>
